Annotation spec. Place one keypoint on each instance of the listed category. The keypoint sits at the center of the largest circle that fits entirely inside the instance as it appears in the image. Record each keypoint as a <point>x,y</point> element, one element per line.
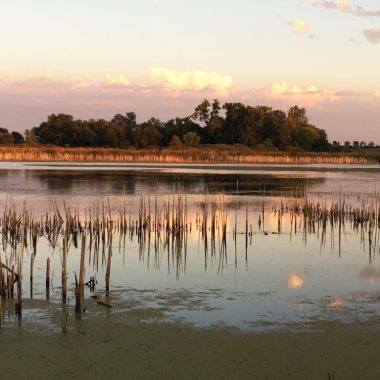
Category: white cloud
<point>299,26</point>
<point>345,7</point>
<point>196,80</point>
<point>373,35</point>
<point>118,80</point>
<point>305,94</point>
<point>80,83</point>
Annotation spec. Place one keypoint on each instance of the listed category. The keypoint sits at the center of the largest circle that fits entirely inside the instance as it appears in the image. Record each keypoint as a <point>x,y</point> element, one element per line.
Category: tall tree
<point>202,112</point>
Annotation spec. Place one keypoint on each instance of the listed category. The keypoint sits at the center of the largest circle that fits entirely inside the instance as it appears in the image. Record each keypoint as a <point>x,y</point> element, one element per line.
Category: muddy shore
<point>111,346</point>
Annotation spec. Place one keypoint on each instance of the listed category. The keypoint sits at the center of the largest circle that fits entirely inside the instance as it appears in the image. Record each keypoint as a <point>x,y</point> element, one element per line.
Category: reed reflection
<point>164,232</point>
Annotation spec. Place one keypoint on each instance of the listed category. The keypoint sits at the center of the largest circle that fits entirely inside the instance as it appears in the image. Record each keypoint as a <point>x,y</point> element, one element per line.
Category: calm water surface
<point>276,279</point>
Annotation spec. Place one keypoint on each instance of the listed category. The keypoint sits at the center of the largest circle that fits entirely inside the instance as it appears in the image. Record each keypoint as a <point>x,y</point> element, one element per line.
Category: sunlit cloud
<point>80,83</point>
<point>26,103</point>
<point>345,7</point>
<point>35,82</point>
<point>299,26</point>
<point>373,35</point>
<point>295,281</point>
<point>196,80</point>
<point>308,94</point>
<point>51,84</point>
<point>118,80</point>
<point>40,96</point>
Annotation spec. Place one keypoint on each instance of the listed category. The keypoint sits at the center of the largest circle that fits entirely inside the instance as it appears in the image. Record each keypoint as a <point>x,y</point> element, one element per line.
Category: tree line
<point>211,123</point>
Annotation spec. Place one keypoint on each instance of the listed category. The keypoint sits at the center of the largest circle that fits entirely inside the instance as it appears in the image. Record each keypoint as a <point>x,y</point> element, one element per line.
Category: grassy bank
<point>206,154</point>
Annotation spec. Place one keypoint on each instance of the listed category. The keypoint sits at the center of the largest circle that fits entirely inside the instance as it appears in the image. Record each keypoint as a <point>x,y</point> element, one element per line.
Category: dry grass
<point>217,154</point>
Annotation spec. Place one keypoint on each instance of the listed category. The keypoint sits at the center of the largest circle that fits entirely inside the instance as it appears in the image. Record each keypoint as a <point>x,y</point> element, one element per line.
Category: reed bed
<point>206,155</point>
<point>162,227</point>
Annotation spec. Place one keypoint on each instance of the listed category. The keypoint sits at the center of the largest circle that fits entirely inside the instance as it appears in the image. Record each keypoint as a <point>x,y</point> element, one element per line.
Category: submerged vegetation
<point>161,228</point>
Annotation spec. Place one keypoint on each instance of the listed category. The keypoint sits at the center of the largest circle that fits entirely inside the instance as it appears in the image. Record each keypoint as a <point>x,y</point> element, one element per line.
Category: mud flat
<point>120,346</point>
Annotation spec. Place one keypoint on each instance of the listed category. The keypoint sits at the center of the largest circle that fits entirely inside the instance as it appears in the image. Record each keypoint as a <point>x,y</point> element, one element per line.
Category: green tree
<point>202,112</point>
<point>149,133</point>
<point>57,130</point>
<point>215,108</point>
<point>175,141</point>
<point>17,137</point>
<point>191,139</point>
<point>237,124</point>
<point>297,117</point>
<point>5,136</point>
<point>277,129</point>
<point>30,136</point>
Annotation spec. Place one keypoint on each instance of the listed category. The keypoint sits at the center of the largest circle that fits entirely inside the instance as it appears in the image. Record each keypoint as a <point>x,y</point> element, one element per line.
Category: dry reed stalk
<point>108,271</point>
<point>2,281</point>
<point>167,155</point>
<point>82,269</point>
<point>31,275</point>
<point>64,266</point>
<point>246,233</point>
<point>308,215</point>
<point>47,278</point>
<point>18,304</point>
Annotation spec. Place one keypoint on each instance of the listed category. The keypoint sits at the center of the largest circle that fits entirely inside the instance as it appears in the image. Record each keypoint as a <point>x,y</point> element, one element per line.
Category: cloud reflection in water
<point>295,281</point>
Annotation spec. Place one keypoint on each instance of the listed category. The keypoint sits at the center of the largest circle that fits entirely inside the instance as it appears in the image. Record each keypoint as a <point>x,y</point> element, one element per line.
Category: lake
<point>244,246</point>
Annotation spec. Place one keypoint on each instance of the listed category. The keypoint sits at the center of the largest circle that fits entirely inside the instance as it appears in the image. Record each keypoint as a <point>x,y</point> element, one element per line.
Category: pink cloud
<point>25,104</point>
<point>309,94</point>
<point>345,7</point>
<point>373,35</point>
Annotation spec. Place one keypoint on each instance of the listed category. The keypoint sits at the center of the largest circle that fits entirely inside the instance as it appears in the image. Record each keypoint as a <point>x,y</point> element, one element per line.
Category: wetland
<point>275,258</point>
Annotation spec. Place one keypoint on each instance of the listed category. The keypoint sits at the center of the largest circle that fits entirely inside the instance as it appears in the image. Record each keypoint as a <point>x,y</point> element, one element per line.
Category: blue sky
<point>96,58</point>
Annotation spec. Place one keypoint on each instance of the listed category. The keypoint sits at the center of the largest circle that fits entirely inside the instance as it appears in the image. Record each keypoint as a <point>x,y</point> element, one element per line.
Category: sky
<point>161,58</point>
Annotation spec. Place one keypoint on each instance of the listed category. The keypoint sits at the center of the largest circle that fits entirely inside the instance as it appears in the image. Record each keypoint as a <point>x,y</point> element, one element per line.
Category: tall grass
<point>224,154</point>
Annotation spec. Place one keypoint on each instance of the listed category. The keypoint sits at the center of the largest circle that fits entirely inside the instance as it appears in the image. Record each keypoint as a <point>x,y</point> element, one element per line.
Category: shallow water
<point>270,279</point>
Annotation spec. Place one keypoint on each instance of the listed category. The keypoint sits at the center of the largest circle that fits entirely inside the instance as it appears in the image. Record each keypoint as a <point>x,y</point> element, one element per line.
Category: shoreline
<point>198,155</point>
<point>118,346</point>
<point>214,167</point>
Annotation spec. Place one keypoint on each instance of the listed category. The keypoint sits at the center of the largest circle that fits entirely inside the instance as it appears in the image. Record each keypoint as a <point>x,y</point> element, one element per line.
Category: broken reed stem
<point>64,268</point>
<point>108,271</point>
<point>65,316</point>
<point>80,291</point>
<point>246,233</point>
<point>10,271</point>
<point>11,281</point>
<point>2,287</point>
<point>47,278</point>
<point>18,304</point>
<point>31,275</point>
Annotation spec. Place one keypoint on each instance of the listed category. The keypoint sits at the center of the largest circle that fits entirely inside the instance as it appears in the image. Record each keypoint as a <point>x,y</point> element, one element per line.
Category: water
<point>279,279</point>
